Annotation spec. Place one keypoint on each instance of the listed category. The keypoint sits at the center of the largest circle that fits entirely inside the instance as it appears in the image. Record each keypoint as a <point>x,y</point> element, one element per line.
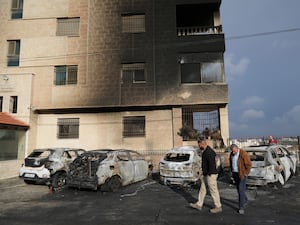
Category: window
<point>68,128</point>
<point>17,9</point>
<point>1,103</point>
<point>13,56</point>
<point>134,126</point>
<point>65,75</point>
<point>13,104</point>
<point>68,27</point>
<point>207,72</point>
<point>133,73</point>
<point>133,23</point>
<point>199,120</point>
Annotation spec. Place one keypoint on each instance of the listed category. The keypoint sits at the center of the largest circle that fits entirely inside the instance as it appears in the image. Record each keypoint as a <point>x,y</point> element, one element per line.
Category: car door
<point>140,166</point>
<point>284,161</point>
<point>125,167</point>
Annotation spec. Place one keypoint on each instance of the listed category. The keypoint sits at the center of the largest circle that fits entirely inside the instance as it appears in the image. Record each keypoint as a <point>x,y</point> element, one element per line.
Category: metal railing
<point>198,30</point>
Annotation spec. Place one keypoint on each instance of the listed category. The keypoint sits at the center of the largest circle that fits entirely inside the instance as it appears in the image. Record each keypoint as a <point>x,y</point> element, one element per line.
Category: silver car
<point>108,169</point>
<point>48,165</point>
<point>271,164</point>
<point>180,166</point>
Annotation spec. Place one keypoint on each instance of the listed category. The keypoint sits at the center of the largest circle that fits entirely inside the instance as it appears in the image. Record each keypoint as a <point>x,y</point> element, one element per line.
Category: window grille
<point>68,128</point>
<point>133,73</point>
<point>204,121</point>
<point>65,75</point>
<point>13,56</point>
<point>17,9</point>
<point>134,126</point>
<point>133,23</point>
<point>13,104</point>
<point>68,27</point>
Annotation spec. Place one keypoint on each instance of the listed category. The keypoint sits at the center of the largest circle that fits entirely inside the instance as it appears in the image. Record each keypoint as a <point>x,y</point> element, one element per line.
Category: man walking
<point>209,178</point>
<point>240,164</point>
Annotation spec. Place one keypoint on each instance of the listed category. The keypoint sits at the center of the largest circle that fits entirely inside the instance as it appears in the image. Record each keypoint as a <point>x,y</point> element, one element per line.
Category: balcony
<point>198,30</point>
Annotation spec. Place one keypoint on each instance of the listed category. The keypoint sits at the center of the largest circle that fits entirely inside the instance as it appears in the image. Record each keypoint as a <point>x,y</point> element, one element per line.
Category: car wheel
<point>59,180</point>
<point>114,183</point>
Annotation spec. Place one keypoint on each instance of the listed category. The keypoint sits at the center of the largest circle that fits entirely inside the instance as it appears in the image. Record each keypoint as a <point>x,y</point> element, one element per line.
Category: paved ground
<point>144,203</point>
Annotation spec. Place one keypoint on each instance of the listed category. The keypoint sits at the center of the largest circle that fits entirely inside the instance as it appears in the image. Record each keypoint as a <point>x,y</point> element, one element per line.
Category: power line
<point>262,34</point>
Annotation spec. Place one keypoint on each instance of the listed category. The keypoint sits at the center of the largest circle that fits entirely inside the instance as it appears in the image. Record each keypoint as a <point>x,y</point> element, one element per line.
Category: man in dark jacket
<point>240,164</point>
<point>209,176</point>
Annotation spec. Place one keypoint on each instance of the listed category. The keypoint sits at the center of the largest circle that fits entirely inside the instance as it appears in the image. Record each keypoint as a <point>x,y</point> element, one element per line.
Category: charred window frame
<point>203,121</point>
<point>13,104</point>
<point>133,23</point>
<point>17,9</point>
<point>197,19</point>
<point>66,75</point>
<point>133,73</point>
<point>68,128</point>
<point>68,26</point>
<point>134,126</point>
<point>13,56</point>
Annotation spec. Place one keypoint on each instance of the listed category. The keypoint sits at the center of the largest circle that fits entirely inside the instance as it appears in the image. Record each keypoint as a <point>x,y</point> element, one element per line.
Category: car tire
<point>114,183</point>
<point>29,182</point>
<point>59,180</point>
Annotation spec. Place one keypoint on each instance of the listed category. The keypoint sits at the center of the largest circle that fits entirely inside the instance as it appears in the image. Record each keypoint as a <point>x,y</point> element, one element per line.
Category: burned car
<point>49,166</point>
<point>182,166</point>
<point>107,169</point>
<point>271,164</point>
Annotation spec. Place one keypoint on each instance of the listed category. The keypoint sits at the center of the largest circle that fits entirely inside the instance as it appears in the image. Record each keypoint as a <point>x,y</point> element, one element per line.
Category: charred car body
<point>108,169</point>
<point>49,165</point>
<point>182,166</point>
<point>271,164</point>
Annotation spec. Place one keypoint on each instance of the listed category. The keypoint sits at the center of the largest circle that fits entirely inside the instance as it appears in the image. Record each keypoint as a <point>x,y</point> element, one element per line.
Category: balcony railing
<point>193,31</point>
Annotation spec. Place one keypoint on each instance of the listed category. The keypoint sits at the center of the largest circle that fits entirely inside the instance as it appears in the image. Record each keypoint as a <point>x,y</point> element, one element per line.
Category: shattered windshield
<point>256,156</point>
<point>177,157</point>
<point>40,154</point>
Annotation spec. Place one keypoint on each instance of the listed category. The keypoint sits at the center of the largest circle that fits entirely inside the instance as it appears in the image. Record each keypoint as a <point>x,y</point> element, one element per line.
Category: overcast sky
<point>262,66</point>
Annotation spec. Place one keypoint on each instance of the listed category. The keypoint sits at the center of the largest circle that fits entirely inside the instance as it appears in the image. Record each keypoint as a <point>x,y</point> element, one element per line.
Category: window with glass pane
<point>134,126</point>
<point>13,104</point>
<point>13,56</point>
<point>68,128</point>
<point>211,72</point>
<point>190,73</point>
<point>133,73</point>
<point>206,72</point>
<point>65,75</point>
<point>133,23</point>
<point>17,9</point>
<point>68,27</point>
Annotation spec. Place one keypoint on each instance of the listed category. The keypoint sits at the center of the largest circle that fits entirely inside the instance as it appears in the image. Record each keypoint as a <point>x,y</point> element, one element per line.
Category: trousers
<point>211,182</point>
<point>241,189</point>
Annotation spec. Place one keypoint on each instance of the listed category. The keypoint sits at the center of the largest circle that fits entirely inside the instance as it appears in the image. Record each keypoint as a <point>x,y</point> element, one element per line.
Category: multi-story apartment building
<point>113,73</point>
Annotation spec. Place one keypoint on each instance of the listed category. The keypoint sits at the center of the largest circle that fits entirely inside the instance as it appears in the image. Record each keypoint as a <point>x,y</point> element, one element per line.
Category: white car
<point>108,169</point>
<point>180,166</point>
<point>271,164</point>
<point>49,165</point>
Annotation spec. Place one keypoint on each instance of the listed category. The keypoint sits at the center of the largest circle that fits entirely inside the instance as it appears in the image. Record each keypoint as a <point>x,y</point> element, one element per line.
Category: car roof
<point>57,149</point>
<point>182,149</point>
<point>262,147</point>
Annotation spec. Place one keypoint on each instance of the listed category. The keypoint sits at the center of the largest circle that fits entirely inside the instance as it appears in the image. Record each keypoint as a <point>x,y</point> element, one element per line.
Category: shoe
<point>195,206</point>
<point>241,211</point>
<point>216,210</point>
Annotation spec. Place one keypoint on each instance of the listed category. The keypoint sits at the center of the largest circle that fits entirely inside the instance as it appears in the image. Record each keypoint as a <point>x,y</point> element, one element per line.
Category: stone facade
<point>100,98</point>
